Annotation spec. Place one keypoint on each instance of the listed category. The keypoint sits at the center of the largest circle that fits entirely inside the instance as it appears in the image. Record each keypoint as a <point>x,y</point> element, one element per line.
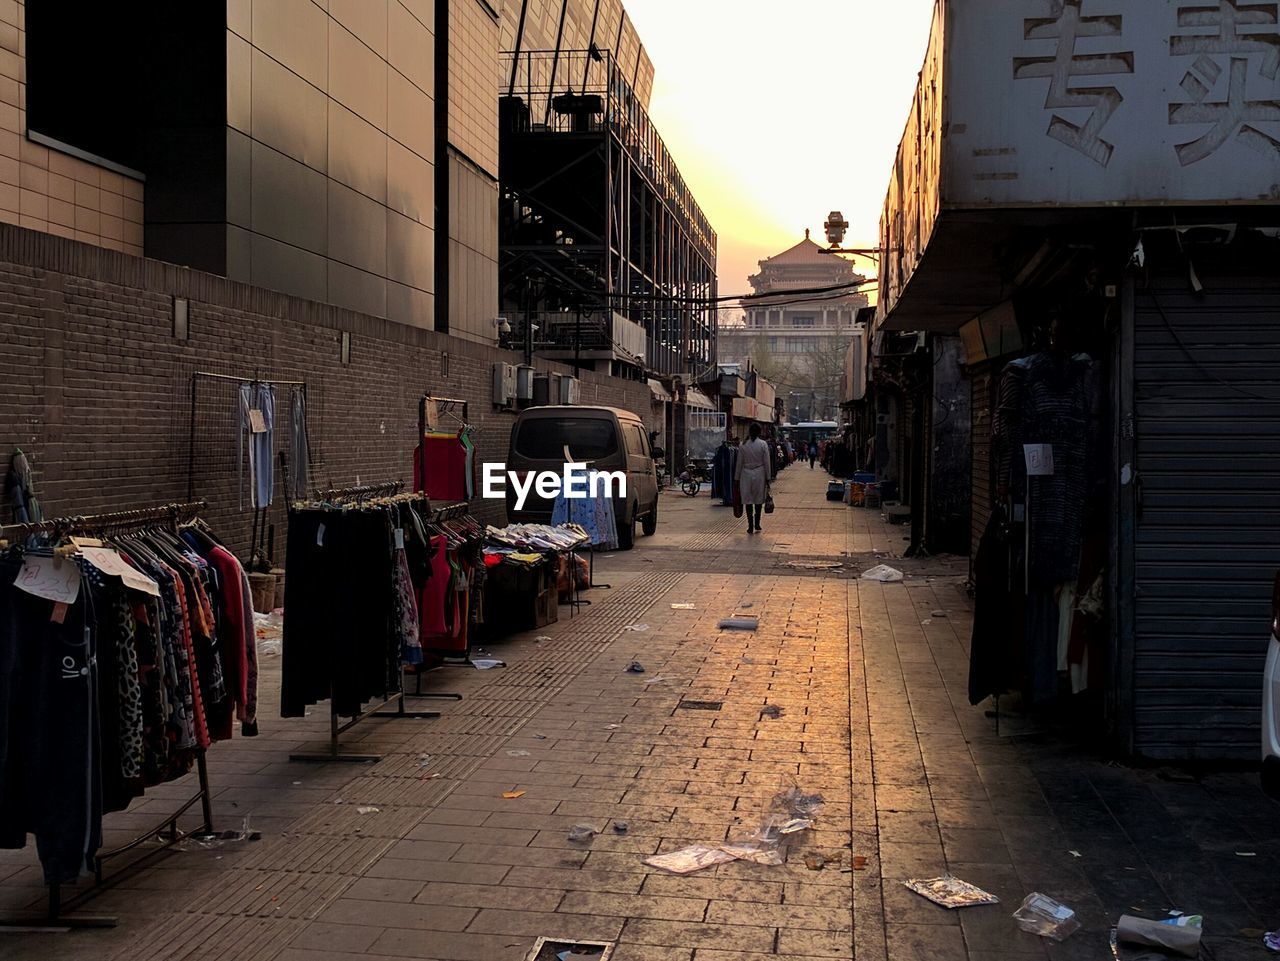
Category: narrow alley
<point>455,846</point>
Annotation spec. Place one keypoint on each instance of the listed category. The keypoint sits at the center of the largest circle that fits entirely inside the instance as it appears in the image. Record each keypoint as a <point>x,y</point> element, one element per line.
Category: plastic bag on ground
<point>950,892</point>
<point>1180,939</point>
<point>690,859</point>
<point>582,832</point>
<point>1042,915</point>
<point>770,857</point>
<point>883,573</point>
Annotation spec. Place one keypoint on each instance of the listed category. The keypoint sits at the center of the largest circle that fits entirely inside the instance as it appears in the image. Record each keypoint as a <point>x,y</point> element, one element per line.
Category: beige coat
<point>754,471</point>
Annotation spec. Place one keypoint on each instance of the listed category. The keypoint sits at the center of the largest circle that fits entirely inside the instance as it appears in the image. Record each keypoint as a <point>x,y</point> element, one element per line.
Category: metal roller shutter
<point>1206,400</point>
<point>980,466</point>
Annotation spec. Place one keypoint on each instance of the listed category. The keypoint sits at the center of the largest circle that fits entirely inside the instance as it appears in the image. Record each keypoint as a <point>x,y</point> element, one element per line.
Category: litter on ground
<point>1041,915</point>
<point>883,573</point>
<point>950,892</point>
<point>739,624</point>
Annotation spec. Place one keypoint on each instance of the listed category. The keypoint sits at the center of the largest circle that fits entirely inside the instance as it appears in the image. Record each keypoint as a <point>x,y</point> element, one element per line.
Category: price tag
<point>399,538</point>
<point>257,423</point>
<point>49,577</point>
<point>109,562</point>
<point>320,536</point>
<point>59,614</point>
<point>1039,459</point>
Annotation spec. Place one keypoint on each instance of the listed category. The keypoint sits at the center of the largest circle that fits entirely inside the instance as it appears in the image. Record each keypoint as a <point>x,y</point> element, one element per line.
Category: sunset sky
<point>779,113</point>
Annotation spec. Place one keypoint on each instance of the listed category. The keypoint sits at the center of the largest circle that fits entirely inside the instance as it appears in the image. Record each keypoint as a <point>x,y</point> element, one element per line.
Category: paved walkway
<point>851,689</point>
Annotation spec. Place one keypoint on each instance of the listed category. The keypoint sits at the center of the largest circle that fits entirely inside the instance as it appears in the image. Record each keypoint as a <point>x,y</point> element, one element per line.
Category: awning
<point>696,398</point>
<point>660,393</point>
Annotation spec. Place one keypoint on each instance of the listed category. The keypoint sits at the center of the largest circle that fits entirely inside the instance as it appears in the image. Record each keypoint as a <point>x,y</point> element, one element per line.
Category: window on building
<point>86,79</point>
<point>802,320</point>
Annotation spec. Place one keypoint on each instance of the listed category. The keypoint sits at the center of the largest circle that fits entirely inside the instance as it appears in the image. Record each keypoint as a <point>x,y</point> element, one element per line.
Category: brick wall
<point>98,391</point>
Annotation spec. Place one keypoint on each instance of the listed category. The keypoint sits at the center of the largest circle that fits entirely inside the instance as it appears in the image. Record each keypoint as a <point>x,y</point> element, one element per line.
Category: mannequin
<point>1046,399</point>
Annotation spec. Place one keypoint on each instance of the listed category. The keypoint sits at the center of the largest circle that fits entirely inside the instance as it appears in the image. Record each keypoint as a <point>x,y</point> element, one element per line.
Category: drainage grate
<point>701,705</point>
<point>552,949</point>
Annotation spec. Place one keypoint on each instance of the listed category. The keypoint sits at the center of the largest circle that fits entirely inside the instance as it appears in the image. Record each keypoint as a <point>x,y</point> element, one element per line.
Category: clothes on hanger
<point>299,444</point>
<point>450,467</point>
<point>372,586</point>
<point>256,423</point>
<point>595,514</point>
<point>455,590</point>
<point>1027,583</point>
<point>109,691</point>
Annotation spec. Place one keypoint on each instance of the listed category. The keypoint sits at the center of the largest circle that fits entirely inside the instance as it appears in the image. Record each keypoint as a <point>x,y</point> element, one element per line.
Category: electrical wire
<point>767,299</point>
<point>1195,361</point>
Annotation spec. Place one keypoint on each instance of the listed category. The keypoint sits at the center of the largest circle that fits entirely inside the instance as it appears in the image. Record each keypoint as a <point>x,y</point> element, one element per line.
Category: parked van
<point>606,438</point>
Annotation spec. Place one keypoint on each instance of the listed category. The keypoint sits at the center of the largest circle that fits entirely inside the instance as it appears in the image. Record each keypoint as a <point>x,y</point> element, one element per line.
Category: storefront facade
<point>1108,260</point>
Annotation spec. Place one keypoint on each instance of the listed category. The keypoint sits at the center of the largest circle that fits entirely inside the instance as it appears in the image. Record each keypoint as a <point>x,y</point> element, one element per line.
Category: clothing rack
<point>360,493</point>
<point>110,523</point>
<point>448,404</point>
<point>443,405</point>
<point>336,725</point>
<point>591,548</point>
<point>258,547</point>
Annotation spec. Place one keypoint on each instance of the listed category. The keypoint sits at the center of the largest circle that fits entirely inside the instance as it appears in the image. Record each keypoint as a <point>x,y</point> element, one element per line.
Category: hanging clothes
<point>107,695</point>
<point>299,444</point>
<point>994,665</point>
<point>257,421</point>
<point>450,467</point>
<point>371,587</point>
<point>595,512</point>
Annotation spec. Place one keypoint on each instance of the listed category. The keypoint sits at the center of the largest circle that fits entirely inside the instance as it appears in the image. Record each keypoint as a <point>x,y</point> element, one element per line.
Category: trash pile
<point>269,630</point>
<point>787,814</point>
<point>1039,914</point>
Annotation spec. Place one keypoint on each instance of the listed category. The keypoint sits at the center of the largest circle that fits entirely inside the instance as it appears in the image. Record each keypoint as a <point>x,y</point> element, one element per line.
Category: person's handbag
<point>737,499</point>
<point>768,504</point>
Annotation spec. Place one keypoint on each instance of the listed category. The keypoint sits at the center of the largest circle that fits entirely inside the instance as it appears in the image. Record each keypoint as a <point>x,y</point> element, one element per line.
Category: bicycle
<point>692,479</point>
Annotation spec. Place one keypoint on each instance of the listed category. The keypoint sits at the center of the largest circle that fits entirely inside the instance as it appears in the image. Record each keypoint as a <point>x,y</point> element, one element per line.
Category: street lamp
<point>836,227</point>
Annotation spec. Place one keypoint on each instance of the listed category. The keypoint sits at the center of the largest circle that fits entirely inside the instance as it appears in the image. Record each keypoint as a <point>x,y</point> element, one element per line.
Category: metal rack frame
<point>114,522</point>
<point>447,404</point>
<point>336,725</point>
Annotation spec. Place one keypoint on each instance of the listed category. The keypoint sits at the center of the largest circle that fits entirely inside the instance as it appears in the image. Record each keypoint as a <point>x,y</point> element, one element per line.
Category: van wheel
<point>650,523</point>
<point>627,532</point>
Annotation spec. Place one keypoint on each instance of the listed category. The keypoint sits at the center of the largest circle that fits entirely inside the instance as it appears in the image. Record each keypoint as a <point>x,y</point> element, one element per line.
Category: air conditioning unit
<point>504,384</point>
<point>524,384</point>
<point>568,390</point>
<point>542,390</point>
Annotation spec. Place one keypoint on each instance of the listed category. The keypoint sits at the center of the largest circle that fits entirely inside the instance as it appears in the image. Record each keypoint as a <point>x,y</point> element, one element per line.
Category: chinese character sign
<point>1102,69</point>
<point>1072,72</point>
<point>1231,83</point>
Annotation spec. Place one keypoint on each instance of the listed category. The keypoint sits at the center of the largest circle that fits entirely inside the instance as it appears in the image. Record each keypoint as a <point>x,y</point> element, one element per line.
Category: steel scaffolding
<point>596,221</point>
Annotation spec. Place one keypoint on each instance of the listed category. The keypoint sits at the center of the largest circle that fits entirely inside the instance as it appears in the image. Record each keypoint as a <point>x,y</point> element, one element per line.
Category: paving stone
<point>325,936</point>
<point>392,914</point>
<point>684,934</point>
<point>635,906</point>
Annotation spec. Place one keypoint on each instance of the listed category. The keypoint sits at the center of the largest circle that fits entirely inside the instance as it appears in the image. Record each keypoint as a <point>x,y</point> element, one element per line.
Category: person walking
<point>813,453</point>
<point>753,475</point>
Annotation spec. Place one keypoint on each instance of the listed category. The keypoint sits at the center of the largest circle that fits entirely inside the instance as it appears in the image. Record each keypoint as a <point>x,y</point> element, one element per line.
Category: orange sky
<point>780,112</point>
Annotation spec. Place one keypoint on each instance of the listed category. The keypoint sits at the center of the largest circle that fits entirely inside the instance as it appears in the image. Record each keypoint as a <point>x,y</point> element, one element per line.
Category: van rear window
<point>588,438</point>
